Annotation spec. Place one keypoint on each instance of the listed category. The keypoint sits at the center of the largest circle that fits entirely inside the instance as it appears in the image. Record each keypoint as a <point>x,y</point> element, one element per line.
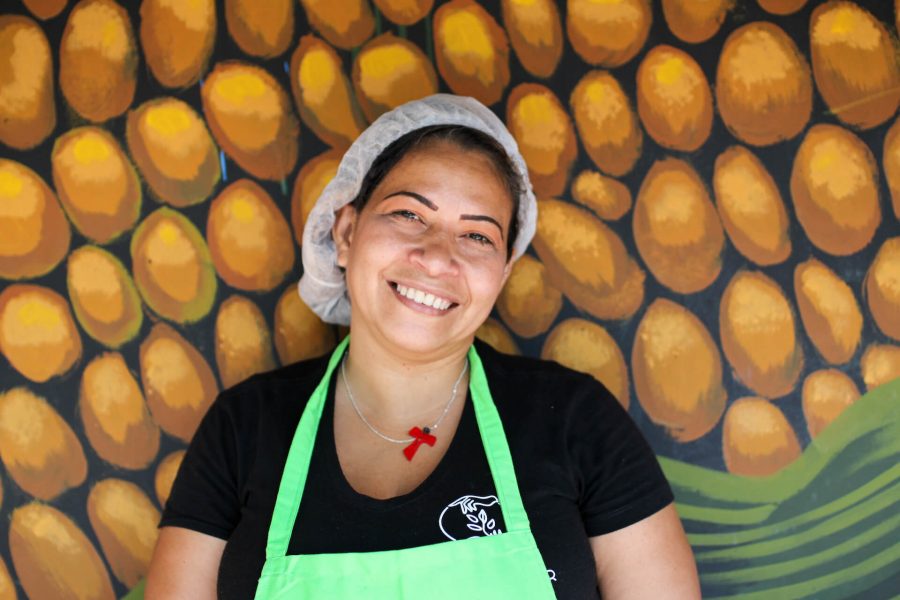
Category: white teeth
<point>423,298</point>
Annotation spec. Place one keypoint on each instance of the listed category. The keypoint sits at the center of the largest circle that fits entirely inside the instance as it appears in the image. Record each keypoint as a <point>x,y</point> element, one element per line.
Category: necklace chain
<point>426,429</point>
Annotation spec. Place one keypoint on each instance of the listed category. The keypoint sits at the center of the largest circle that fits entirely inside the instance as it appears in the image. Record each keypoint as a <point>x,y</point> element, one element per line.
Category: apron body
<point>506,565</point>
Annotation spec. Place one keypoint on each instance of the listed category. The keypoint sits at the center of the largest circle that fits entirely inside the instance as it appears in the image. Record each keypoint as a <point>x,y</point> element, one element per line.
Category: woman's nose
<point>436,254</point>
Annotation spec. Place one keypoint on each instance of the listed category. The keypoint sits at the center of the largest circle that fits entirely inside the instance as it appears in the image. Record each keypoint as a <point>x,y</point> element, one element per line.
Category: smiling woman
<point>422,459</point>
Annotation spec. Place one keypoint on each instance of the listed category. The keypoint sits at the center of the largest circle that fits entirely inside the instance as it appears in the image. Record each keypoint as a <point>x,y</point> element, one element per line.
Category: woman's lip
<point>438,295</point>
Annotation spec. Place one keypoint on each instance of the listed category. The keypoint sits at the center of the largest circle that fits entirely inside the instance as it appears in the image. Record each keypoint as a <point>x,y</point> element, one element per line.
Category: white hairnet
<point>322,285</point>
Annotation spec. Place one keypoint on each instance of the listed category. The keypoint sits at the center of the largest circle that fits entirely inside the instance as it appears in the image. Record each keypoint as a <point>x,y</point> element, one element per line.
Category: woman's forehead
<point>443,165</point>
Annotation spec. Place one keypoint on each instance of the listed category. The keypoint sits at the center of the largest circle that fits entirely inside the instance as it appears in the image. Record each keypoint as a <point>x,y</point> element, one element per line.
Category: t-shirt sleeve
<point>622,482</point>
<point>205,496</point>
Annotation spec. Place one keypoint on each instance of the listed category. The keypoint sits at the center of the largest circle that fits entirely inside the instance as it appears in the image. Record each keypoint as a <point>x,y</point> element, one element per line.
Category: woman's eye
<point>481,239</point>
<point>406,215</point>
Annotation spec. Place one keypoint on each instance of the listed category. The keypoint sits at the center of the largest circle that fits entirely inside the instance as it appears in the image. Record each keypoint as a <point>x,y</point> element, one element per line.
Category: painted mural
<point>718,243</point>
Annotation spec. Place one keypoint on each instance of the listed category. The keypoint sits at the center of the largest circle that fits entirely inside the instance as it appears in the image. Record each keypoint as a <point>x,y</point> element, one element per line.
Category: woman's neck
<point>403,389</point>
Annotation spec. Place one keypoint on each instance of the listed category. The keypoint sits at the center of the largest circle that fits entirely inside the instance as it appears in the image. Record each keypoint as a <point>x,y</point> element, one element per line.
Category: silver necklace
<point>425,430</point>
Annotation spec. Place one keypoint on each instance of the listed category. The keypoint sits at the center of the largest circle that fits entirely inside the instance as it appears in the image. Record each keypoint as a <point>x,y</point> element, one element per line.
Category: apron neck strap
<point>296,468</point>
<point>496,447</point>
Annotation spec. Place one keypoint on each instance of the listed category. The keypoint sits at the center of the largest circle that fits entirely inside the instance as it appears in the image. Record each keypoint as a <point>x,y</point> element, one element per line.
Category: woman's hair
<point>462,137</point>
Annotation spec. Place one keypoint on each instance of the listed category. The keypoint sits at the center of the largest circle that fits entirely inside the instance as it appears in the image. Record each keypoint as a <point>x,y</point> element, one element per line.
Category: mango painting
<point>718,243</point>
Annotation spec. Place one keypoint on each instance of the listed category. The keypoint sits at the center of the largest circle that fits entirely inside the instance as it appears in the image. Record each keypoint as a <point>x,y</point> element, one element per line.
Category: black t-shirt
<point>582,466</point>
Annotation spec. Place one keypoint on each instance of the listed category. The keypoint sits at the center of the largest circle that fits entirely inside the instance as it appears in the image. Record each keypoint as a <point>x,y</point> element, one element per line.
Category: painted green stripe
<point>725,516</point>
<point>872,571</point>
<point>784,568</point>
<point>875,411</point>
<point>858,495</point>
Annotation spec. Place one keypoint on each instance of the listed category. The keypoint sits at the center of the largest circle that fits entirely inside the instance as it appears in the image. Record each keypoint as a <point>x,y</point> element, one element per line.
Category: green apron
<point>507,565</point>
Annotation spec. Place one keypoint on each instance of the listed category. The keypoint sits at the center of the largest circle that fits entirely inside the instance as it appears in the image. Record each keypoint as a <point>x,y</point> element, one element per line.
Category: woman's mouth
<point>423,298</point>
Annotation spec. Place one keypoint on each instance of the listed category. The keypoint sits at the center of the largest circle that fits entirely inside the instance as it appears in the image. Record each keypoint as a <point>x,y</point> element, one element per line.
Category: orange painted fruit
<point>757,439</point>
<point>677,371</point>
<point>36,233</point>
<point>48,568</point>
<point>27,107</point>
<point>763,85</point>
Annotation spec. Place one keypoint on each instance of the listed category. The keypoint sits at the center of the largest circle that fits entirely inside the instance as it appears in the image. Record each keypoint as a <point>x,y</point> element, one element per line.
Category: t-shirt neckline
<point>326,442</point>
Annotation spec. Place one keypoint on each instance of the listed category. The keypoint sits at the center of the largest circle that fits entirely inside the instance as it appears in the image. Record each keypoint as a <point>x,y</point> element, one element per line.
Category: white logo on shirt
<point>470,516</point>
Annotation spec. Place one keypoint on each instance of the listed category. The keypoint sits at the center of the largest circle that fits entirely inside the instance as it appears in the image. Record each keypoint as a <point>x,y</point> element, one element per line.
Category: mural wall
<point>719,243</point>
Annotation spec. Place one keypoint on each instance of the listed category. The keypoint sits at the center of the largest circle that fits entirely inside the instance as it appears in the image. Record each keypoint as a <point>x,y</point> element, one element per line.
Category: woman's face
<point>426,258</point>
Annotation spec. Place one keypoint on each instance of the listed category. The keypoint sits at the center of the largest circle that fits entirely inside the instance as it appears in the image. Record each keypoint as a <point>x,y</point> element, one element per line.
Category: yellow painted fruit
<point>587,261</point>
<point>178,382</point>
<point>36,234</point>
<point>314,175</point>
<point>763,85</point>
<point>172,267</point>
<point>53,558</point>
<point>855,64</point>
<point>322,93</point>
<point>545,136</point>
<point>751,207</point>
<point>27,107</point>
<point>103,296</point>
<point>826,393</point>
<point>880,364</point>
<point>829,311</point>
<point>883,288</point>
<point>299,333</point>
<point>676,228</point>
<point>607,197</point>
<point>471,51</point>
<point>177,39</point>
<point>535,32</point>
<point>674,99</point>
<point>584,346</point>
<point>344,23</point>
<point>694,22</point>
<point>45,9</point>
<point>39,449</point>
<point>495,335</point>
<point>96,183</point>
<point>757,439</point>
<point>250,116</point>
<point>116,419</point>
<point>249,238</point>
<point>759,334</point>
<point>781,7</point>
<point>261,29</point>
<point>528,303</point>
<point>165,475</point>
<point>608,33</point>
<point>125,520</point>
<point>606,122</point>
<point>834,185</point>
<point>98,60</point>
<point>174,151</point>
<point>243,342</point>
<point>7,585</point>
<point>677,371</point>
<point>37,334</point>
<point>404,12</point>
<point>390,71</point>
<point>891,164</point>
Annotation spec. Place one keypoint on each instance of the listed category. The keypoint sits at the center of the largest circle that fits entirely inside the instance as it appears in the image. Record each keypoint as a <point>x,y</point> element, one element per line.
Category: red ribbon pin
<point>421,437</point>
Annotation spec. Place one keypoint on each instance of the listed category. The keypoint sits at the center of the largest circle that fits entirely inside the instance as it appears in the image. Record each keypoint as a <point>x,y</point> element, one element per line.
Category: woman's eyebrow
<point>482,218</point>
<point>415,196</point>
<point>434,207</point>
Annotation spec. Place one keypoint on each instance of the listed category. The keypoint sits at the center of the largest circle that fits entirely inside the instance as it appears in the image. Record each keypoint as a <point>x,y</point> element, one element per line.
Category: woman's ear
<point>342,232</point>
